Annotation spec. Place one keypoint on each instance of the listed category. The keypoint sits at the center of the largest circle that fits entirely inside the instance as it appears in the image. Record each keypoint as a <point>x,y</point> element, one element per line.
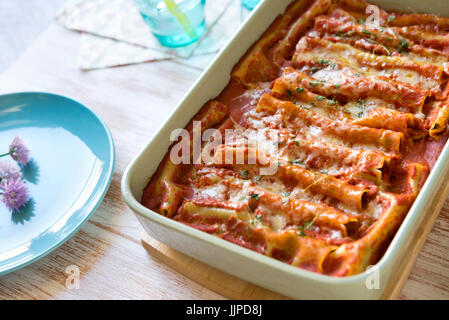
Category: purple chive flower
<point>14,193</point>
<point>9,170</point>
<point>19,151</point>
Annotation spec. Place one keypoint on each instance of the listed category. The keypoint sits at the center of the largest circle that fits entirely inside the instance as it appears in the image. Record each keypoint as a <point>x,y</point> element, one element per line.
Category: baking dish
<point>243,263</point>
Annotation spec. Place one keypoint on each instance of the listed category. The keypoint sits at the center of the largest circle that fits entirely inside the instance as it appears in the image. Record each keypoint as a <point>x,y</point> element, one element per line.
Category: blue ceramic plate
<point>71,168</point>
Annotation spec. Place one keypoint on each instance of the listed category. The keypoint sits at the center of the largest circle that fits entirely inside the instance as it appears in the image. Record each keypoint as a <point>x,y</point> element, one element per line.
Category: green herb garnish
<point>254,196</point>
<point>403,46</point>
<point>320,98</point>
<point>308,224</point>
<point>301,231</point>
<point>391,18</point>
<point>285,193</point>
<point>245,174</point>
<point>299,90</point>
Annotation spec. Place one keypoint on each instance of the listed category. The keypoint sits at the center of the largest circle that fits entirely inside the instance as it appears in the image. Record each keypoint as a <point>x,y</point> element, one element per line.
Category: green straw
<point>174,9</point>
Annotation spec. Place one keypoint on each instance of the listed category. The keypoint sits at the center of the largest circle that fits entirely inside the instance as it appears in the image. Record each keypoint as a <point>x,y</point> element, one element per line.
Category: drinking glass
<point>175,23</point>
<point>250,4</point>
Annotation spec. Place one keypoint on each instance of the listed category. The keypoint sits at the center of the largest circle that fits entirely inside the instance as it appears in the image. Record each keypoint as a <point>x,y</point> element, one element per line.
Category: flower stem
<point>3,155</point>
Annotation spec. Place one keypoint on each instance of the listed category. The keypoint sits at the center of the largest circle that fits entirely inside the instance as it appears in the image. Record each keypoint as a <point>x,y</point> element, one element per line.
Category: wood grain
<point>216,280</point>
<point>134,101</point>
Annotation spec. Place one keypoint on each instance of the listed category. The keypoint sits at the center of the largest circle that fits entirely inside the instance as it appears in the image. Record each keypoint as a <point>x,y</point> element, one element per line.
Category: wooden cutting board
<point>223,283</point>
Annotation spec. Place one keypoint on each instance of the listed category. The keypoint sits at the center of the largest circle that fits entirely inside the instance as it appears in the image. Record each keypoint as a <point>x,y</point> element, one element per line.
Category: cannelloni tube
<point>406,70</point>
<point>383,41</point>
<point>255,66</point>
<point>352,87</point>
<point>317,183</point>
<point>382,118</point>
<point>304,252</point>
<point>440,124</point>
<point>294,212</point>
<point>386,139</point>
<point>434,40</point>
<point>163,194</point>
<point>285,47</point>
<point>338,160</point>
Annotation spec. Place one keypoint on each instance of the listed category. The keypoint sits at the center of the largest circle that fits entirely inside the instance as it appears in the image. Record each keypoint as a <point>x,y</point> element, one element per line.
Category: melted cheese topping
<point>332,110</point>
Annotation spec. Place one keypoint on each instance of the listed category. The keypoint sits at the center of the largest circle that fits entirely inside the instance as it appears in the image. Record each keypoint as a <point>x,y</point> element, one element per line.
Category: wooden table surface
<point>134,101</point>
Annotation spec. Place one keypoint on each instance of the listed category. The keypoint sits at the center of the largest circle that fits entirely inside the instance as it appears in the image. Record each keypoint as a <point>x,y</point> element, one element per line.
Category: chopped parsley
<point>360,114</point>
<point>259,217</point>
<point>289,93</point>
<point>254,196</point>
<point>301,231</point>
<point>285,193</point>
<point>332,102</point>
<point>324,62</point>
<point>320,98</point>
<point>297,162</point>
<point>342,35</point>
<point>299,89</point>
<point>308,224</point>
<point>362,21</point>
<point>314,69</point>
<point>337,85</point>
<point>296,142</point>
<point>257,179</point>
<point>403,46</point>
<point>315,83</point>
<point>366,32</point>
<point>245,174</point>
<point>333,65</point>
<point>391,18</point>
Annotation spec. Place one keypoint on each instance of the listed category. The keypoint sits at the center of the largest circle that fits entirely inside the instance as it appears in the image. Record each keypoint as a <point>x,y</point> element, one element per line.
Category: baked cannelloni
<point>318,146</point>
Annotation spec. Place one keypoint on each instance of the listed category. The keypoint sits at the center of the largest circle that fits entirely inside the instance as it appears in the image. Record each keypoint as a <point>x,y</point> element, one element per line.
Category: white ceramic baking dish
<point>244,263</point>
